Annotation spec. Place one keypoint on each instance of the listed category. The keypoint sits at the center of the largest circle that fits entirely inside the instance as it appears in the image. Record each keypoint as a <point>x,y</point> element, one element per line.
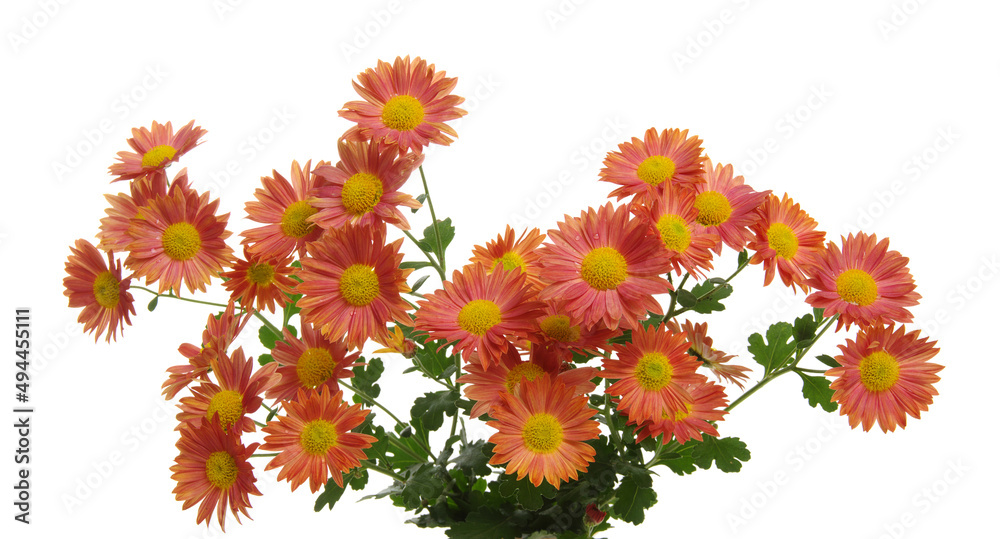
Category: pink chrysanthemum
<point>260,283</point>
<point>114,235</point>
<point>726,206</point>
<point>406,104</point>
<point>865,284</point>
<point>672,218</point>
<point>215,340</point>
<point>521,254</point>
<point>653,373</point>
<point>237,395</point>
<point>712,359</point>
<point>786,239</point>
<point>605,267</point>
<point>98,287</point>
<point>155,149</point>
<point>364,186</point>
<point>645,167</point>
<point>352,285</point>
<point>884,376</point>
<point>179,239</point>
<point>484,312</point>
<point>284,208</point>
<point>708,404</point>
<point>309,363</point>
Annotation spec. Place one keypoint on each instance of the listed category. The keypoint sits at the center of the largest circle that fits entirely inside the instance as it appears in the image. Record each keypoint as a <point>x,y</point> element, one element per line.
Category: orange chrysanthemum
<point>364,186</point>
<point>155,149</point>
<point>98,287</point>
<point>179,239</point>
<point>884,375</point>
<point>712,359</point>
<point>521,254</point>
<point>237,395</point>
<point>604,267</point>
<point>542,432</point>
<point>556,329</point>
<point>314,439</point>
<point>284,208</point>
<point>672,218</point>
<point>726,206</point>
<point>708,404</point>
<point>114,235</point>
<point>484,312</point>
<point>653,373</point>
<point>259,282</point>
<point>219,333</point>
<point>785,238</point>
<point>865,284</point>
<point>213,468</point>
<point>352,285</point>
<point>309,363</point>
<point>645,167</point>
<point>405,104</point>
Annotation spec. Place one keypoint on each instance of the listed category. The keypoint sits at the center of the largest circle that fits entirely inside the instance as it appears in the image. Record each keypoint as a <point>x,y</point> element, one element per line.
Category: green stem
<point>615,437</point>
<point>264,455</point>
<point>814,371</point>
<point>371,401</point>
<point>716,288</point>
<point>437,235</point>
<point>394,441</point>
<point>430,258</point>
<point>172,296</point>
<point>767,379</point>
<point>383,471</point>
<point>267,323</point>
<point>673,297</point>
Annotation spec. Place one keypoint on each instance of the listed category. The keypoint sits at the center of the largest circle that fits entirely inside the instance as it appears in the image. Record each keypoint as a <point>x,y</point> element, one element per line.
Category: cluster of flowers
<point>521,314</point>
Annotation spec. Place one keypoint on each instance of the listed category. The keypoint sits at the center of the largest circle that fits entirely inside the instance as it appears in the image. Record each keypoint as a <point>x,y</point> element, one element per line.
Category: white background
<point>829,102</point>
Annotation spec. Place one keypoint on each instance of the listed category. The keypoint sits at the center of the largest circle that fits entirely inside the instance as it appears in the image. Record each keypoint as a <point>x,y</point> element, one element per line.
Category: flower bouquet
<point>574,346</point>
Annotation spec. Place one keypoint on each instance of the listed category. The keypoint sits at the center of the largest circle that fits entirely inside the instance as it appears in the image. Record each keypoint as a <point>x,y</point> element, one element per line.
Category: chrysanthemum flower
<point>179,239</point>
<point>155,149</point>
<point>309,363</point>
<point>219,333</point>
<point>785,238</point>
<point>556,329</point>
<point>405,104</point>
<point>364,186</point>
<point>259,282</point>
<point>653,373</point>
<point>213,469</point>
<point>352,285</point>
<point>397,343</point>
<point>314,439</point>
<point>284,208</point>
<point>726,206</point>
<point>114,235</point>
<point>672,217</point>
<point>644,167</point>
<point>98,287</point>
<point>504,251</point>
<point>865,284</point>
<point>485,385</point>
<point>712,359</point>
<point>543,428</point>
<point>237,395</point>
<point>708,404</point>
<point>884,376</point>
<point>604,267</point>
<point>484,312</point>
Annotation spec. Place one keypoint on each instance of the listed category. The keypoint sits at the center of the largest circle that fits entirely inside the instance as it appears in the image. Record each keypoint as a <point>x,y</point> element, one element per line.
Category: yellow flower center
<point>542,434</point>
<point>157,155</point>
<point>314,367</point>
<point>221,470</point>
<point>228,404</point>
<point>674,232</point>
<point>653,371</point>
<point>679,414</point>
<point>181,241</point>
<point>510,260</point>
<point>857,287</point>
<point>318,436</point>
<point>260,273</point>
<point>558,328</point>
<point>523,371</point>
<point>294,222</point>
<point>402,113</point>
<point>478,316</point>
<point>604,268</point>
<point>106,290</point>
<point>359,285</point>
<point>879,371</point>
<point>713,208</point>
<point>783,240</point>
<point>656,169</point>
<point>361,193</point>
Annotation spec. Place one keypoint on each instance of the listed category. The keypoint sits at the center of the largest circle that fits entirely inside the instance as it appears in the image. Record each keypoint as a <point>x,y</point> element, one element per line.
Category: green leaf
<point>805,330</point>
<point>777,351</point>
<point>712,294</point>
<point>268,337</point>
<point>415,265</point>
<point>434,358</point>
<point>429,243</point>
<point>686,298</point>
<point>680,462</point>
<point>424,484</point>
<point>529,496</point>
<point>485,523</point>
<point>633,500</point>
<point>743,258</point>
<point>474,458</point>
<point>828,361</point>
<point>377,452</point>
<point>358,478</point>
<point>365,378</point>
<point>152,304</point>
<point>264,359</point>
<point>432,407</point>
<point>416,286</point>
<point>329,497</point>
<point>726,452</point>
<point>639,474</point>
<point>816,389</point>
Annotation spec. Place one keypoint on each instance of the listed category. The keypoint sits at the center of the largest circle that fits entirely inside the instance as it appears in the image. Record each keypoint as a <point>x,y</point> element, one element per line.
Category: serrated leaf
<point>528,496</point>
<point>773,354</point>
<point>726,452</point>
<point>642,476</point>
<point>633,500</point>
<point>709,296</point>
<point>828,361</point>
<point>432,407</point>
<point>358,478</point>
<point>365,378</point>
<point>680,462</point>
<point>429,243</point>
<point>423,484</point>
<point>804,330</point>
<point>264,359</point>
<point>474,459</point>
<point>816,389</point>
<point>485,523</point>
<point>329,497</point>
<point>152,304</point>
<point>268,337</point>
<point>433,358</point>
